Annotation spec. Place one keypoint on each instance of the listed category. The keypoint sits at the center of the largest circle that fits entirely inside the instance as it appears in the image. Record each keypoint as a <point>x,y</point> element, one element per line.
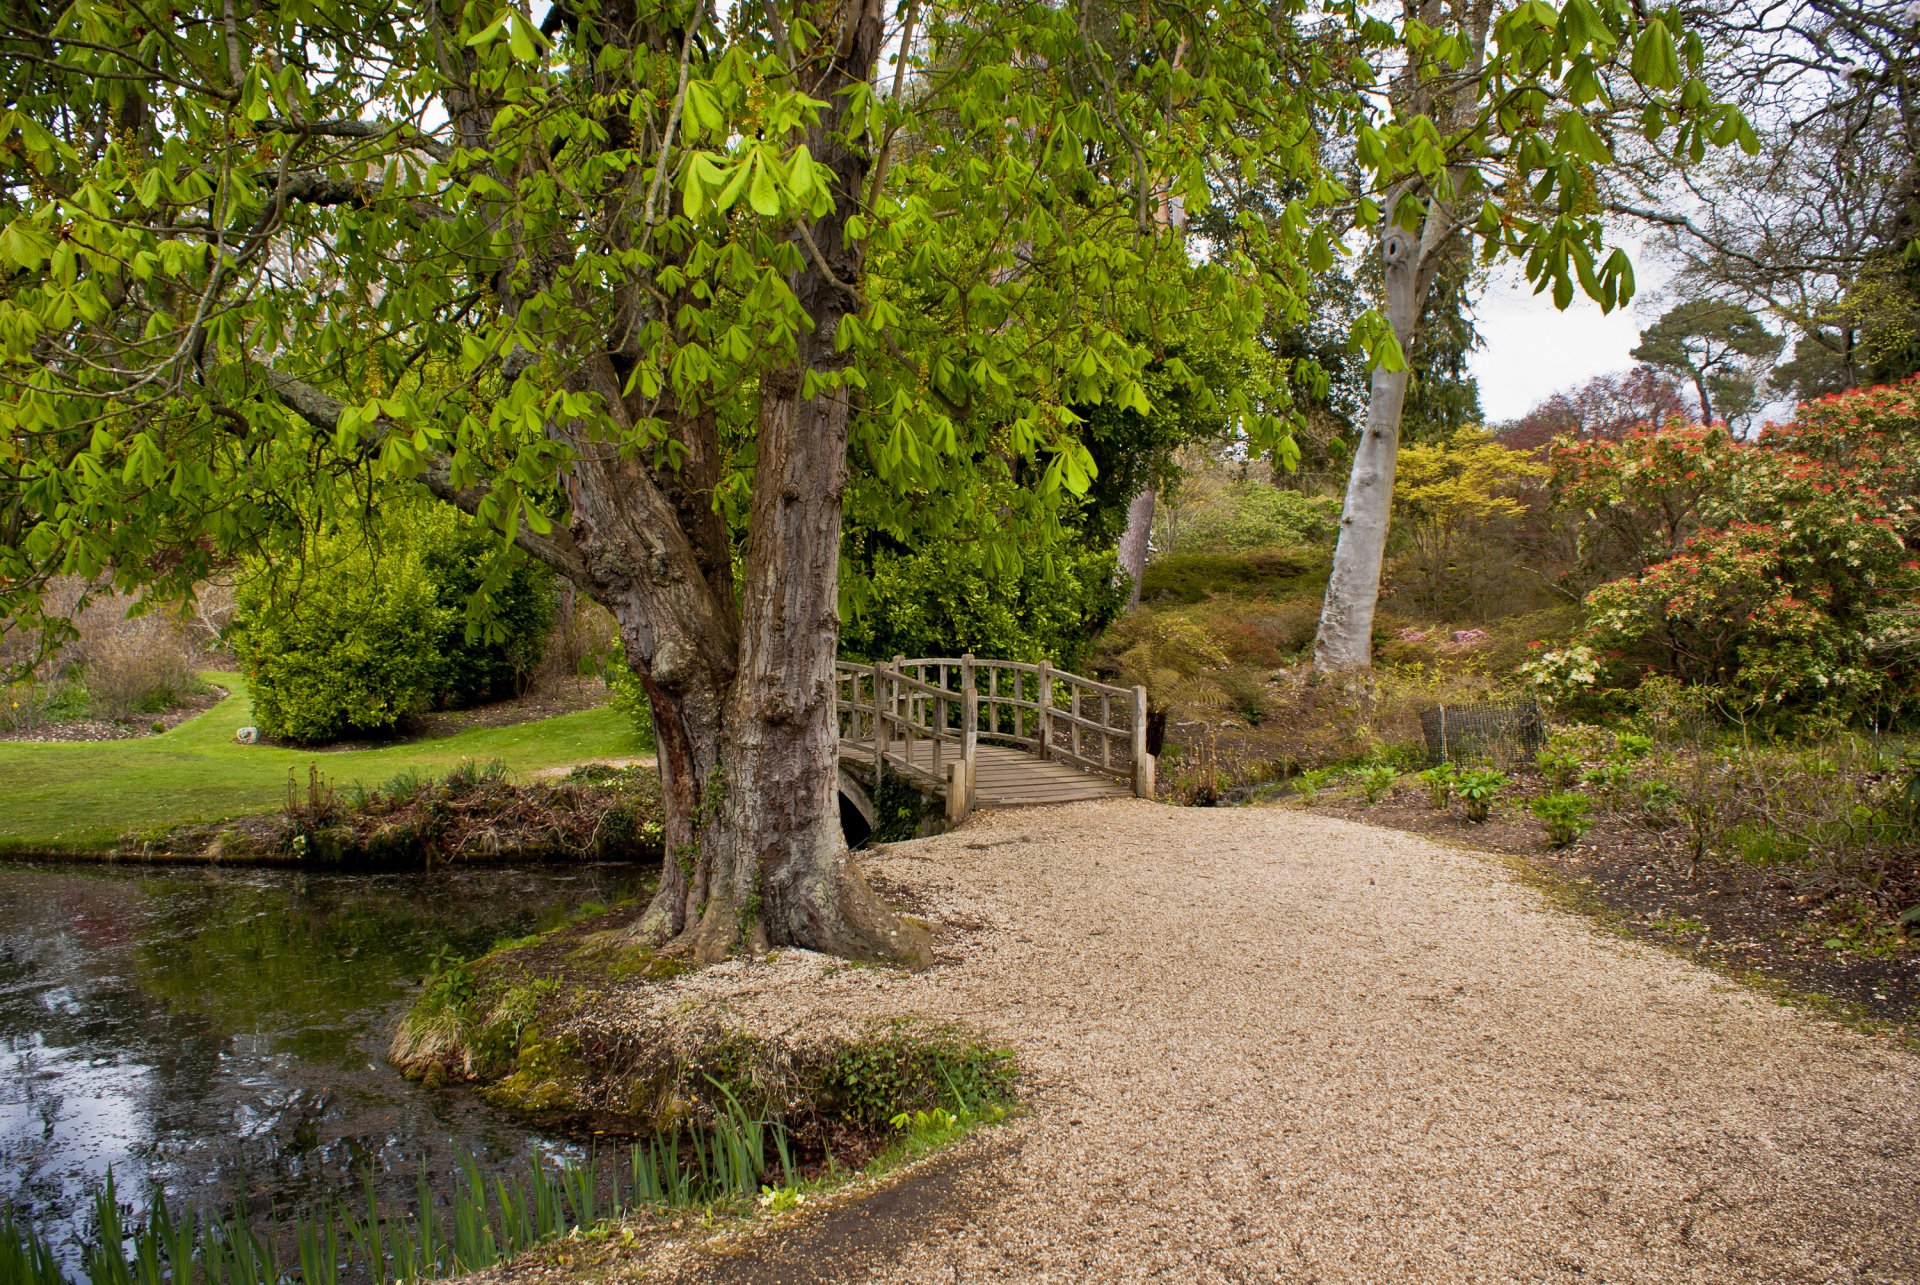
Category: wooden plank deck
<point>1005,777</point>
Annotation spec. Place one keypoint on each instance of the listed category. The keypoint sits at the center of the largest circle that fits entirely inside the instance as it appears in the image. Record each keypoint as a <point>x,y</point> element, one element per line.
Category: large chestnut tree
<point>656,287</point>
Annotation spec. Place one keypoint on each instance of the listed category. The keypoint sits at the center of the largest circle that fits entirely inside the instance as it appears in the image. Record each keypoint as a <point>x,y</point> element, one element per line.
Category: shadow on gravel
<point>939,1197</point>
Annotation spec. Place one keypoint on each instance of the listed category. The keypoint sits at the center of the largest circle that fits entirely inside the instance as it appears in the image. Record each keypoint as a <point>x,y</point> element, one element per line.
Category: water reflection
<point>219,1034</point>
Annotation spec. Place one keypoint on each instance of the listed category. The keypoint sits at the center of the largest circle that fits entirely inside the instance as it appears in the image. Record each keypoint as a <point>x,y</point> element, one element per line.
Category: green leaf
<point>740,172</point>
<point>1655,64</point>
<point>703,109</point>
<point>764,195</point>
<point>520,41</point>
<point>1562,289</point>
<point>491,32</point>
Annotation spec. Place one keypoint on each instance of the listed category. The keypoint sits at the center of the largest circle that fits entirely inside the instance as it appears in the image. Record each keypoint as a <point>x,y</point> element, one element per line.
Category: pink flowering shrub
<point>1779,575</point>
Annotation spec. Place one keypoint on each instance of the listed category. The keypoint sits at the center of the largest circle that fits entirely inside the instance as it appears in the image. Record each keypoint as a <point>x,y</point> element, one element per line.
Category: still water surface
<point>220,1034</point>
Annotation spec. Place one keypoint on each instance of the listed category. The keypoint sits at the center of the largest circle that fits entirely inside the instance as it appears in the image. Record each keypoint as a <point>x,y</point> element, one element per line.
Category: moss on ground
<point>525,1026</point>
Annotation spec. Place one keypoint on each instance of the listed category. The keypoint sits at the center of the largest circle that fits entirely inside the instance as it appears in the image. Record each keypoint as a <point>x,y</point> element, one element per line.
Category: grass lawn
<point>72,797</point>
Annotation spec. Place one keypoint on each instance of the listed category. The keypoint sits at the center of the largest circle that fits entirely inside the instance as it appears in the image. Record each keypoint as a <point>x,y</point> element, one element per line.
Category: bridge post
<point>901,703</point>
<point>969,710</point>
<point>959,791</point>
<point>1044,699</point>
<point>879,726</point>
<point>1142,761</point>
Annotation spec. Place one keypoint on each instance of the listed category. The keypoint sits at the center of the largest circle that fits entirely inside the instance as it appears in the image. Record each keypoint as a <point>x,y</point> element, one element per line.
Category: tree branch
<point>557,548</point>
<point>310,188</point>
<point>410,134</point>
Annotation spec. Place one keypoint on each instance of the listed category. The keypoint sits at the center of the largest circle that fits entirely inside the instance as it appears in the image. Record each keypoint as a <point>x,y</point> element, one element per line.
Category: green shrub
<point>349,648</point>
<point>1477,789</point>
<point>1630,746</point>
<point>1309,783</point>
<point>942,601</point>
<point>489,643</point>
<point>366,629</point>
<point>1375,780</point>
<point>1611,779</point>
<point>902,1068</point>
<point>1439,782</point>
<point>1567,816</point>
<point>1560,767</point>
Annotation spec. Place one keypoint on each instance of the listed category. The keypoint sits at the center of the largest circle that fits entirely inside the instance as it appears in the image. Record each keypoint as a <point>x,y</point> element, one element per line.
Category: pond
<point>220,1034</point>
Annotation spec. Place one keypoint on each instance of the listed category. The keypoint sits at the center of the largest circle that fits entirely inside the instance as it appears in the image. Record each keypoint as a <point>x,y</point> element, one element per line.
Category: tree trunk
<point>1706,402</point>
<point>744,718</point>
<point>1134,541</point>
<point>1345,638</point>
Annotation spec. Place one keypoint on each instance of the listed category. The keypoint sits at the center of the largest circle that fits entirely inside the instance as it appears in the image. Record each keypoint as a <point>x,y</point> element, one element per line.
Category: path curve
<point>1271,1045</point>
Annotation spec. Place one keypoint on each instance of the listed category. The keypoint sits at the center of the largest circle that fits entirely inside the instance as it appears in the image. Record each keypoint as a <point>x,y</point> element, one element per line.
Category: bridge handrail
<point>950,703</point>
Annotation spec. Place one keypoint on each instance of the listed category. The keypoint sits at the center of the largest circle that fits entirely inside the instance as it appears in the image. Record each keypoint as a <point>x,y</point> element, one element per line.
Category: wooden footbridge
<point>994,733</point>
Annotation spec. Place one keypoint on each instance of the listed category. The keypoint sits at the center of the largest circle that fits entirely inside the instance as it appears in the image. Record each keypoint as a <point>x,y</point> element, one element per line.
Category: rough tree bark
<point>1134,541</point>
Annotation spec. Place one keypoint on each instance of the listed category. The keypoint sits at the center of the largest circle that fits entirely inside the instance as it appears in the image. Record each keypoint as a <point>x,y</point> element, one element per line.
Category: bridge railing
<point>926,717</point>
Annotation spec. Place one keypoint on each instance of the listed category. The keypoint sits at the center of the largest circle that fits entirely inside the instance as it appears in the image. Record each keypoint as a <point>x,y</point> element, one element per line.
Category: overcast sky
<point>1533,349</point>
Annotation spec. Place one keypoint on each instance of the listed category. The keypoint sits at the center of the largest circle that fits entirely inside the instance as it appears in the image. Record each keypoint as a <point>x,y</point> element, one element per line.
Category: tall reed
<point>484,1220</point>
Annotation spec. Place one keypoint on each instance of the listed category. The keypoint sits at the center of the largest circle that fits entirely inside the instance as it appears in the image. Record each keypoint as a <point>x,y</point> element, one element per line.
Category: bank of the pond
<point>211,1042</point>
<point>475,814</point>
<point>91,798</point>
<point>578,1025</point>
<point>219,1035</point>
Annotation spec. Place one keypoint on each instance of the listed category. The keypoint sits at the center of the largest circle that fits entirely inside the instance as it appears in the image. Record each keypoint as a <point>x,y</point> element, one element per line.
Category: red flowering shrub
<point>1779,574</point>
<point>1641,495</point>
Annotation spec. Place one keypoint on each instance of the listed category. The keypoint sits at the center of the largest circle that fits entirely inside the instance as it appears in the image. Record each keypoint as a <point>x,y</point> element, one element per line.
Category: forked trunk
<point>1345,638</point>
<point>754,854</point>
<point>749,751</point>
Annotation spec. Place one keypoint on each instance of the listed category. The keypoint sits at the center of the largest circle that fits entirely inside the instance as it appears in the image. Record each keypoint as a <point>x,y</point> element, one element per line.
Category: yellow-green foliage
<point>1245,513</point>
<point>1449,498</point>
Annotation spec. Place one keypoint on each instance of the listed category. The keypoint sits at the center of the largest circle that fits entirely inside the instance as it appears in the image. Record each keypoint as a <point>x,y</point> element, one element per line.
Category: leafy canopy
<point>260,261</point>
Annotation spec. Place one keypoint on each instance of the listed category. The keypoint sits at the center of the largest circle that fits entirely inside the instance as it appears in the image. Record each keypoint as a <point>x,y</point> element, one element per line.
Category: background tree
<point>1820,238</point>
<point>655,295</point>
<point>1607,406</point>
<point>1493,128</point>
<point>1721,348</point>
<point>1447,493</point>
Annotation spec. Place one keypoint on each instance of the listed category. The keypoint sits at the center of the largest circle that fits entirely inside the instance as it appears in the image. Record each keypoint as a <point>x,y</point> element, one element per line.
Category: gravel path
<point>1270,1045</point>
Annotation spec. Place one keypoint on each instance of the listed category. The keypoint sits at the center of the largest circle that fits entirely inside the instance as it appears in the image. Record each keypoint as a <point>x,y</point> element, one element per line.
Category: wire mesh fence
<point>1505,733</point>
